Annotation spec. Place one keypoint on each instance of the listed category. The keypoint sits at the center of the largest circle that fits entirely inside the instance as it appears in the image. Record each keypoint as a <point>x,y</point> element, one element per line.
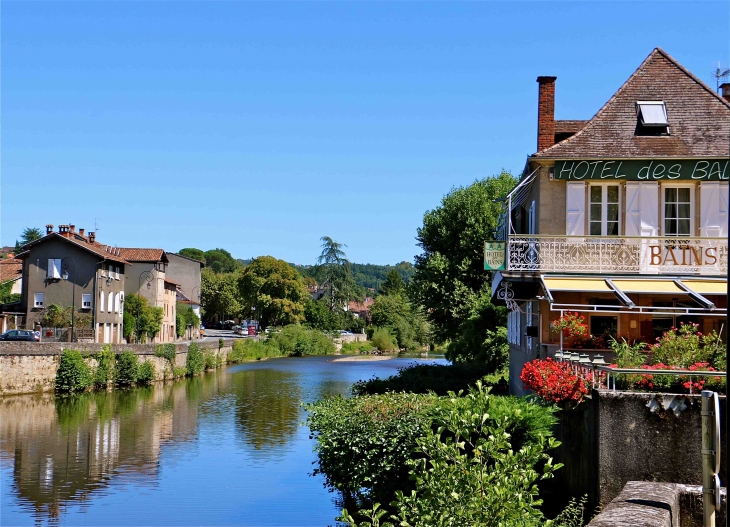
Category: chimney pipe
<point>81,232</point>
<point>92,237</point>
<point>49,229</point>
<point>546,113</point>
<point>725,91</point>
<point>72,228</point>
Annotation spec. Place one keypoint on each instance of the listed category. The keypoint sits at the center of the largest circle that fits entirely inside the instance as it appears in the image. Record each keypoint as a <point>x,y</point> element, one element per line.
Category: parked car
<point>21,334</point>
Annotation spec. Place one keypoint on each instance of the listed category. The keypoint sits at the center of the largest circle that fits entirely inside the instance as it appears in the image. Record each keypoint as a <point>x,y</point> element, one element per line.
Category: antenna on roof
<point>96,225</point>
<point>720,73</point>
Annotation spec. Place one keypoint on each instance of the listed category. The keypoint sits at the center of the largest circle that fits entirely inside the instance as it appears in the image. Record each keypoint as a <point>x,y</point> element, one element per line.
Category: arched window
<point>101,301</point>
<point>110,307</point>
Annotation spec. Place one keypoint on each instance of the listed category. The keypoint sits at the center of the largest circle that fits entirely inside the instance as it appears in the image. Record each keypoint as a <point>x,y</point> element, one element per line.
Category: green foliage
<point>56,316</point>
<point>393,285</point>
<point>220,261</point>
<point>364,346</point>
<point>211,360</point>
<point>424,378</point>
<point>219,294</point>
<point>195,254</point>
<point>450,280</point>
<point>179,323</point>
<point>318,316</point>
<point>30,234</point>
<point>334,273</point>
<point>195,362</point>
<point>628,354</point>
<point>179,371</point>
<point>128,368</point>
<point>73,374</point>
<point>364,442</point>
<point>382,339</point>
<point>685,346</point>
<point>245,350</point>
<point>166,351</point>
<point>482,336</point>
<point>295,341</point>
<point>106,362</point>
<point>273,292</point>
<point>143,321</point>
<point>6,297</point>
<point>477,464</point>
<point>146,373</point>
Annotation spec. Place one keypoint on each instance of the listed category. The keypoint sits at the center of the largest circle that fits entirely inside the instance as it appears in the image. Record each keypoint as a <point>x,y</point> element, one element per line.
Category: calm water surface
<point>225,448</point>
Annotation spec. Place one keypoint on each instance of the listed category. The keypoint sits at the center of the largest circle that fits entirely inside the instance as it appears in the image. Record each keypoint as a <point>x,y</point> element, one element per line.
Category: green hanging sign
<point>643,170</point>
<point>494,256</point>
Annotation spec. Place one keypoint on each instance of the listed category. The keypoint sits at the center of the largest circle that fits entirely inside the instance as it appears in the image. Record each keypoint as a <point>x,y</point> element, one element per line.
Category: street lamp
<point>73,291</point>
<point>149,279</point>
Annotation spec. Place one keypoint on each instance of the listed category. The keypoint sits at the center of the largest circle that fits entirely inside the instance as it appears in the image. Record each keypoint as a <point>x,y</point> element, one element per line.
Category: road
<point>215,334</point>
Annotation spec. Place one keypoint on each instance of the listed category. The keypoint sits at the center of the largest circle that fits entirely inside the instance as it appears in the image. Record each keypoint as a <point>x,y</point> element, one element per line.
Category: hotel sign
<point>494,256</point>
<point>643,170</point>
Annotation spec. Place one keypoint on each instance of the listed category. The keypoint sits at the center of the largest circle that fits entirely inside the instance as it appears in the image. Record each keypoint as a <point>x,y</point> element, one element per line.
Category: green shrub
<point>422,378</point>
<point>471,470</point>
<point>127,368</point>
<point>383,340</point>
<point>357,347</point>
<point>295,340</point>
<point>105,367</point>
<point>363,442</point>
<point>73,374</point>
<point>195,362</point>
<point>146,373</point>
<point>211,360</point>
<point>166,351</point>
<point>244,350</point>
<point>179,371</point>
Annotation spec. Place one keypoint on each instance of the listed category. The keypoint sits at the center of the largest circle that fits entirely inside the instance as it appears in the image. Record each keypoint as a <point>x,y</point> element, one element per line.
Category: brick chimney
<point>725,90</point>
<point>72,229</point>
<point>81,232</point>
<point>63,230</point>
<point>546,113</point>
<point>49,229</point>
<point>92,237</point>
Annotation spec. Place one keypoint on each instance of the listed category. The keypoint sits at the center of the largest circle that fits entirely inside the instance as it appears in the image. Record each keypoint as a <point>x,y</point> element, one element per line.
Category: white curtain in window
<point>576,209</point>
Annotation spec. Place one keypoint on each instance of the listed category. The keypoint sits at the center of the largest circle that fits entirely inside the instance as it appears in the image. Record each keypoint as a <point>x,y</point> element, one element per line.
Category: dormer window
<point>651,118</point>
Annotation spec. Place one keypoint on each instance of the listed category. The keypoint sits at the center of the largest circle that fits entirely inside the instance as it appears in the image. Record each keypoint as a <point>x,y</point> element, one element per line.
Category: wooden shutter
<point>713,209</point>
<point>575,198</point>
<point>642,209</point>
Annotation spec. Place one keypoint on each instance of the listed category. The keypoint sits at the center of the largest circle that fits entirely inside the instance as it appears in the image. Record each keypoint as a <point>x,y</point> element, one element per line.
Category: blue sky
<point>260,127</point>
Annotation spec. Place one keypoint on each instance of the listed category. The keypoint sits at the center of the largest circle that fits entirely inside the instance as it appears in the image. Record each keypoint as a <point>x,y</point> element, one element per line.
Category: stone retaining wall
<point>29,367</point>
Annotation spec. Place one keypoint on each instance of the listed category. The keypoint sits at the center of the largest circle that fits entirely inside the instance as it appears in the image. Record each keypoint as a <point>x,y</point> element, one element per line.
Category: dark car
<point>21,334</point>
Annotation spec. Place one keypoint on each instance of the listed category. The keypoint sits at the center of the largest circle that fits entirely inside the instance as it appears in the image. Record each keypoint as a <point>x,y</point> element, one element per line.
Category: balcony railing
<point>611,254</point>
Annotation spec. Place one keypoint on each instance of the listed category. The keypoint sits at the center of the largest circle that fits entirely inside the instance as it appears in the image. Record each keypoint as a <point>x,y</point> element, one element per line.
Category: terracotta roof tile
<point>105,251</point>
<point>699,119</point>
<point>134,254</point>
<point>10,269</point>
<point>568,126</point>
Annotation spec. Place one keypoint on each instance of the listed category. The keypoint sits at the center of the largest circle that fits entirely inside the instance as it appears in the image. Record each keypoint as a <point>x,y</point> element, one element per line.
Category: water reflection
<point>66,448</point>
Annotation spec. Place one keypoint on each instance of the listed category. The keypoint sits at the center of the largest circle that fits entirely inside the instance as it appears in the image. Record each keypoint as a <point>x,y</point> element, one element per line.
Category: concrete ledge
<point>55,348</point>
<point>649,504</point>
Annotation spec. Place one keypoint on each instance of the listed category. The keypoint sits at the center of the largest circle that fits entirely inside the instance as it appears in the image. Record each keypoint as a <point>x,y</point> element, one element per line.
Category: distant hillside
<point>367,275</point>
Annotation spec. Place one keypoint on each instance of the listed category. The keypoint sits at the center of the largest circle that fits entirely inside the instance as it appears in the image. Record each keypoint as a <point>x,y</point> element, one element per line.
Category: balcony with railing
<point>612,254</point>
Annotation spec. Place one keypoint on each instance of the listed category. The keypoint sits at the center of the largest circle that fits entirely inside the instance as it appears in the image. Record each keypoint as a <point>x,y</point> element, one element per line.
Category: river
<point>224,448</point>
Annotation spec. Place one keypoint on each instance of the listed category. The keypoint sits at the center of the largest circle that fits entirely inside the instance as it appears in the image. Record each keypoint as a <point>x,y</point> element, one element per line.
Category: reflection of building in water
<point>65,449</point>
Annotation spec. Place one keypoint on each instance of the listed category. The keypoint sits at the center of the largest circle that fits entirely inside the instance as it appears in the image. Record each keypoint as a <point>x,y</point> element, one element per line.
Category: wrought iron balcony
<point>612,254</point>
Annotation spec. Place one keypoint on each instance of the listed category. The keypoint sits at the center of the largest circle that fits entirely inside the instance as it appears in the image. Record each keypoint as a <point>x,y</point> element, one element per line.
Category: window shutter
<point>576,209</point>
<point>633,209</point>
<point>101,302</point>
<point>110,307</point>
<point>713,210</point>
<point>54,268</point>
<point>647,208</point>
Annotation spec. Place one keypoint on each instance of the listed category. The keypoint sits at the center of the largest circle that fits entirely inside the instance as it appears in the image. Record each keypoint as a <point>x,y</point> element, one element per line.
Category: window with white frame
<point>678,210</point>
<point>38,300</point>
<point>604,207</point>
<point>116,272</point>
<point>86,301</point>
<point>101,301</point>
<point>110,306</point>
<point>54,268</point>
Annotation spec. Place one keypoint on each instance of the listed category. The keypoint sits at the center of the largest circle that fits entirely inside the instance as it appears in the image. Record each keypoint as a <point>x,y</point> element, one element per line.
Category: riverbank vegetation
<point>75,374</point>
<point>294,340</point>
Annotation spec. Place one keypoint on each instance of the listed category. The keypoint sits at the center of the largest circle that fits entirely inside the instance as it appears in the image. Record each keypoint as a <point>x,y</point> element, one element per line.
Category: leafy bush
<point>686,346</point>
<point>295,340</point>
<point>363,443</point>
<point>106,367</point>
<point>471,470</point>
<point>422,378</point>
<point>383,340</point>
<point>73,374</point>
<point>357,347</point>
<point>244,350</point>
<point>211,360</point>
<point>127,368</point>
<point>628,354</point>
<point>146,373</point>
<point>179,371</point>
<point>166,351</point>
<point>195,362</point>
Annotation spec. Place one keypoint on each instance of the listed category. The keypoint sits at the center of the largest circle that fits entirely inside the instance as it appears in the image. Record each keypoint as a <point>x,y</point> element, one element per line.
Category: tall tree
<point>220,261</point>
<point>30,234</point>
<point>450,282</point>
<point>191,252</point>
<point>393,285</point>
<point>334,272</point>
<point>219,294</point>
<point>272,291</point>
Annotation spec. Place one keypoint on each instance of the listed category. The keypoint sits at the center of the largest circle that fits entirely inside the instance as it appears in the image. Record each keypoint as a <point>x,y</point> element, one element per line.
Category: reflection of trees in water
<point>65,448</point>
<point>267,406</point>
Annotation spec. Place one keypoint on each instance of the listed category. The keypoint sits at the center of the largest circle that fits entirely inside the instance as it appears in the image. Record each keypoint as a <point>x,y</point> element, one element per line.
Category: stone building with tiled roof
<point>622,218</point>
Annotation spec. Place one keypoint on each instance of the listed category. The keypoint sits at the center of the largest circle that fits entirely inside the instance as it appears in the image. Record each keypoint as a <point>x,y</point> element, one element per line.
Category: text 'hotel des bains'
<point>622,218</point>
